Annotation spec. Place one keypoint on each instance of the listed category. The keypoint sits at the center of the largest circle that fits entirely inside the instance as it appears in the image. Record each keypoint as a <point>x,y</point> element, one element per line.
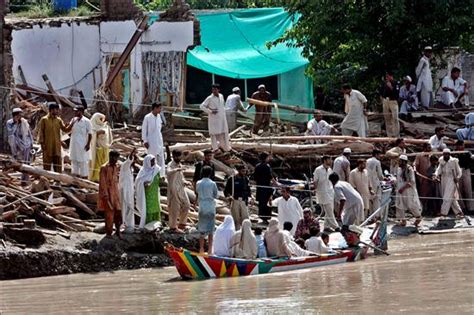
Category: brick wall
<point>117,10</point>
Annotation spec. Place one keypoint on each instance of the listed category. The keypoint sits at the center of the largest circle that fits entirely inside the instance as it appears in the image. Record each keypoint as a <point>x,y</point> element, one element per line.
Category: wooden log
<point>9,215</point>
<point>63,178</point>
<point>25,197</point>
<point>17,191</point>
<point>79,204</point>
<point>79,221</point>
<point>231,134</point>
<point>53,221</point>
<point>60,210</point>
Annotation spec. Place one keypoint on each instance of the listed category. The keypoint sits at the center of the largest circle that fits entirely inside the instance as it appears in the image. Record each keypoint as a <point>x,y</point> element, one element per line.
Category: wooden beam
<point>295,108</point>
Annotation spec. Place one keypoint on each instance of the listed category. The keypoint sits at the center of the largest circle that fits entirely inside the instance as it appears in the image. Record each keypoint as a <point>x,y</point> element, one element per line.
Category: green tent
<point>234,45</point>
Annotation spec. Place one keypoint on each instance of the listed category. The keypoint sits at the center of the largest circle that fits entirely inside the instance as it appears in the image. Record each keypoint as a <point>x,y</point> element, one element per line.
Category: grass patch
<point>40,11</point>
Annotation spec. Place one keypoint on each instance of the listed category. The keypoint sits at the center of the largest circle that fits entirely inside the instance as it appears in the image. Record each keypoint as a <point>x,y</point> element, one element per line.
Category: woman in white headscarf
<point>147,187</point>
<point>100,144</point>
<point>223,237</point>
<point>244,243</point>
<point>275,240</point>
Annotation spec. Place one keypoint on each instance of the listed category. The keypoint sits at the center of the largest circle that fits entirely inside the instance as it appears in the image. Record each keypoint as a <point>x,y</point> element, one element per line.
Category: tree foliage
<point>358,40</point>
<point>209,4</point>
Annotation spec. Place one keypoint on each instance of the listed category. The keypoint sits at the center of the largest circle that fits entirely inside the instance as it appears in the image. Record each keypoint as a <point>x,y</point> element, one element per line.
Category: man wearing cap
<point>232,106</point>
<point>356,110</point>
<point>394,154</point>
<point>374,170</point>
<point>342,166</point>
<point>424,85</point>
<point>318,127</point>
<point>351,205</point>
<point>406,193</point>
<point>152,137</point>
<point>407,96</point>
<point>81,136</point>
<point>20,140</point>
<point>49,137</point>
<point>214,106</point>
<point>467,133</point>
<point>454,88</point>
<point>263,114</point>
<point>389,93</point>
<point>449,173</point>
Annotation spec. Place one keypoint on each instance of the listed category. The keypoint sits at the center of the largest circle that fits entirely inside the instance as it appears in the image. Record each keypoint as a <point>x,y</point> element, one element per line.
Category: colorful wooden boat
<point>192,265</point>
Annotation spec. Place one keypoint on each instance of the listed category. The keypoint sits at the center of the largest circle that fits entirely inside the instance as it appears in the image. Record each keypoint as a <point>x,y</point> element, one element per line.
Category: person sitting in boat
<point>318,245</point>
<point>294,247</point>
<point>244,243</point>
<point>223,237</point>
<point>304,225</point>
<point>275,240</point>
<point>352,238</point>
<point>262,250</point>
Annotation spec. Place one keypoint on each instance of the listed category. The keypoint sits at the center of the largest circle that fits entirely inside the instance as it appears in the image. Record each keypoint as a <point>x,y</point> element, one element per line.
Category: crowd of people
<point>432,185</point>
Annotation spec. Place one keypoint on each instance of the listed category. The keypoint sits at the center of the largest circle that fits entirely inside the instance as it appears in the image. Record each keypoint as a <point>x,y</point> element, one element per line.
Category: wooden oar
<point>375,248</point>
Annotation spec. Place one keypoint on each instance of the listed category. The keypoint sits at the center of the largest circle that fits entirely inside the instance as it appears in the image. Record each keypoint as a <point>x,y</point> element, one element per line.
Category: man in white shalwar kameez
<point>20,140</point>
<point>289,209</point>
<point>350,202</point>
<point>81,136</point>
<point>454,88</point>
<point>152,137</point>
<point>394,155</point>
<point>232,106</point>
<point>374,170</point>
<point>318,127</point>
<point>356,110</point>
<point>325,192</point>
<point>407,195</point>
<point>424,85</point>
<point>214,106</point>
<point>359,179</point>
<point>342,166</point>
<point>127,192</point>
<point>450,173</point>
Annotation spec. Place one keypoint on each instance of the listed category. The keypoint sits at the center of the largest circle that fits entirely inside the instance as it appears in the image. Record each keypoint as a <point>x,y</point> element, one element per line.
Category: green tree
<point>210,4</point>
<point>358,40</point>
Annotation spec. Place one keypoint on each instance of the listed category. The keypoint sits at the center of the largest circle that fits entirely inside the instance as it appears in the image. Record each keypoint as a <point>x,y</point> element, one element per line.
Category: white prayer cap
<point>347,150</point>
<point>403,157</point>
<point>408,78</point>
<point>446,150</point>
<point>428,48</point>
<point>261,86</point>
<point>17,110</point>
<point>236,89</point>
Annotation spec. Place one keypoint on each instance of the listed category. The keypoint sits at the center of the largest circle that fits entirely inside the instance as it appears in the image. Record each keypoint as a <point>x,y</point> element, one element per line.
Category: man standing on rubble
<point>49,137</point>
<point>374,170</point>
<point>389,95</point>
<point>81,136</point>
<point>325,192</point>
<point>263,114</point>
<point>232,107</point>
<point>342,166</point>
<point>351,205</point>
<point>264,179</point>
<point>356,110</point>
<point>20,140</point>
<point>214,106</point>
<point>152,137</point>
<point>359,179</point>
<point>198,167</point>
<point>237,190</point>
<point>425,81</point>
<point>449,173</point>
<point>394,154</point>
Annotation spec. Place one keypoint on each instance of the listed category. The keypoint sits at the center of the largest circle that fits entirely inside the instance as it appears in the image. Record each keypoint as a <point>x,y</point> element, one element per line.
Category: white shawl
<point>99,124</point>
<point>147,174</point>
<point>223,237</point>
<point>244,243</point>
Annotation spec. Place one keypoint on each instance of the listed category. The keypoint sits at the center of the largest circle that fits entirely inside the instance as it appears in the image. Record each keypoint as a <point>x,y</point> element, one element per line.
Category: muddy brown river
<point>431,274</point>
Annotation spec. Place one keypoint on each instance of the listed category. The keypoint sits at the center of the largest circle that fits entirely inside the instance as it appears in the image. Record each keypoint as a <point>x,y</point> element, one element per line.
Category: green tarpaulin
<point>234,44</point>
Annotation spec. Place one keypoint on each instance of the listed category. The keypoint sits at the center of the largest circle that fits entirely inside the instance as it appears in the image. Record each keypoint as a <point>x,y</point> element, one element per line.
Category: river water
<point>431,274</point>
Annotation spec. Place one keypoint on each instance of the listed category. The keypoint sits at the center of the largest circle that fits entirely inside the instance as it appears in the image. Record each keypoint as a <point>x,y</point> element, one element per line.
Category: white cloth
<point>447,97</point>
<point>288,211</point>
<point>234,103</point>
<point>79,137</point>
<point>80,168</point>
<point>374,170</point>
<point>437,144</point>
<point>324,189</point>
<point>244,243</point>
<point>408,200</point>
<point>354,108</point>
<point>151,134</point>
<point>223,237</point>
<point>360,181</point>
<point>295,249</point>
<point>353,212</point>
<point>20,137</point>
<point>318,128</point>
<point>468,132</point>
<point>127,194</point>
<point>342,167</point>
<point>217,122</point>
<point>409,99</point>
<point>423,73</point>
<point>146,175</point>
<point>104,140</point>
<point>220,140</point>
<point>316,245</point>
<point>449,171</point>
